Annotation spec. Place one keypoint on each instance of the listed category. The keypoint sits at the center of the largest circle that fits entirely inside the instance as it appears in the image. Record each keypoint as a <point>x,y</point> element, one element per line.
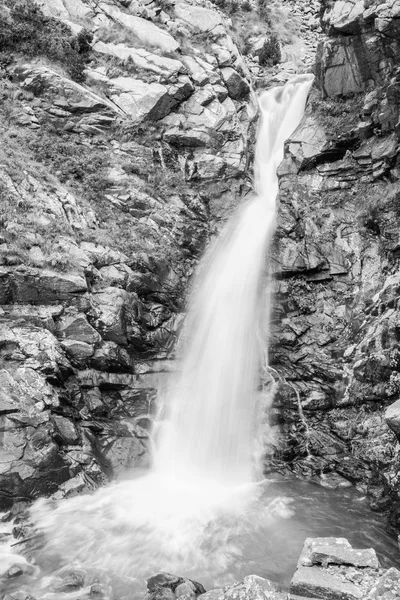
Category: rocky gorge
<point>127,138</point>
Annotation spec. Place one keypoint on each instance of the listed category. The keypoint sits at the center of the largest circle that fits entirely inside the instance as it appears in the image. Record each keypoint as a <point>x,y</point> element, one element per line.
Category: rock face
<point>330,569</point>
<point>336,319</point>
<point>109,190</point>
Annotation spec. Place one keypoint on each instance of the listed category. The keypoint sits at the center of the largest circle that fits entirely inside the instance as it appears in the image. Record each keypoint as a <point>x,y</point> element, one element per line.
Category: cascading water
<point>213,413</point>
<point>187,514</point>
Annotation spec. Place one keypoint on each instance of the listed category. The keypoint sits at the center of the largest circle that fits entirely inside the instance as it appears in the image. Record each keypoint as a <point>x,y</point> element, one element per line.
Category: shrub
<point>271,51</point>
<point>264,10</point>
<point>29,31</point>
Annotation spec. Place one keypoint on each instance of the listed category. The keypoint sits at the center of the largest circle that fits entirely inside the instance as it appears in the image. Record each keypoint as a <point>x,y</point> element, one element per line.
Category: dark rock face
<point>165,586</point>
<point>363,46</point>
<point>335,326</point>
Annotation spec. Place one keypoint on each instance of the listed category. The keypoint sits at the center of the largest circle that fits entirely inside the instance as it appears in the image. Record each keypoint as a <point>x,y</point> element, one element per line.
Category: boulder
<point>312,582</point>
<point>392,417</point>
<point>331,569</point>
<point>344,16</point>
<point>76,327</point>
<point>238,87</point>
<point>165,585</point>
<point>141,100</point>
<point>111,307</point>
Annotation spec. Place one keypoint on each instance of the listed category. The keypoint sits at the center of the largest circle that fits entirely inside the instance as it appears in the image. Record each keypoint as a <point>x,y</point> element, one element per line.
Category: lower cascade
<point>201,509</point>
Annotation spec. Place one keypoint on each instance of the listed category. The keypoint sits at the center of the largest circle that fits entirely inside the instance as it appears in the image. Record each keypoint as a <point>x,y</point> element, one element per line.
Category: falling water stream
<point>201,512</point>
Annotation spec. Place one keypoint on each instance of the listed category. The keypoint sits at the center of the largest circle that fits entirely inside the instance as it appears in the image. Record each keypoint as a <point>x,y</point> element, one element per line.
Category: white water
<point>201,497</point>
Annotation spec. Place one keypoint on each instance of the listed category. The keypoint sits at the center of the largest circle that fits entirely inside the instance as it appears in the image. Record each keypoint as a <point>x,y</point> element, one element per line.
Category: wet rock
<point>98,590</point>
<point>14,571</point>
<point>165,586</point>
<point>73,582</point>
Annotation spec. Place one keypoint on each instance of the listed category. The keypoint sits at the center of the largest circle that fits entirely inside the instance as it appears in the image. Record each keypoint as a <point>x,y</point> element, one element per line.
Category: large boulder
<point>330,568</point>
<point>166,586</point>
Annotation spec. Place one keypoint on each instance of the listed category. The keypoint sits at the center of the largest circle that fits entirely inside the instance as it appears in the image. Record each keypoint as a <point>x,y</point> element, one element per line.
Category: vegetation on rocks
<point>26,30</point>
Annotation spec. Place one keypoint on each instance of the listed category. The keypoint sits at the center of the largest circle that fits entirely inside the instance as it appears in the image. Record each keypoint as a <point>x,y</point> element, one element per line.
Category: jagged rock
<point>76,327</point>
<point>338,551</point>
<point>64,94</point>
<point>123,447</point>
<point>251,588</point>
<point>66,429</point>
<point>109,356</point>
<point>345,17</point>
<point>141,100</point>
<point>54,204</point>
<point>198,69</point>
<point>103,256</point>
<point>97,379</point>
<point>26,285</point>
<point>238,88</point>
<point>113,309</point>
<point>78,352</point>
<point>311,582</point>
<point>40,316</point>
<point>387,587</point>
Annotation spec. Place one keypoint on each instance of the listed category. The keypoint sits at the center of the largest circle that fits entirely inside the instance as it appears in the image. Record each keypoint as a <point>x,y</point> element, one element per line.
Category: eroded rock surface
<point>335,332</point>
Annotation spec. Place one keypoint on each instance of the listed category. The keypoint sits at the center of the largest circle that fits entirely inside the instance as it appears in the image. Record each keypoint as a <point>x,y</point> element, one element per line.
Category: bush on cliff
<point>270,54</point>
<point>24,28</point>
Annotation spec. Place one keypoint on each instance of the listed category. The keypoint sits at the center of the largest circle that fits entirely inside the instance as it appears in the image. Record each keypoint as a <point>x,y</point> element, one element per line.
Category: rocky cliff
<point>336,325</point>
<point>126,132</point>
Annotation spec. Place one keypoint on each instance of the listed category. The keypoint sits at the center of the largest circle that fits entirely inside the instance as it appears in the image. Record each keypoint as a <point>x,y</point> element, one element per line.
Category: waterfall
<point>213,425</point>
<point>188,514</point>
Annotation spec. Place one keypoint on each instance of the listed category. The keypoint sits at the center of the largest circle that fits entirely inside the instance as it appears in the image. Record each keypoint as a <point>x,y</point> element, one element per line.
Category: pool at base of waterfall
<point>262,536</point>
